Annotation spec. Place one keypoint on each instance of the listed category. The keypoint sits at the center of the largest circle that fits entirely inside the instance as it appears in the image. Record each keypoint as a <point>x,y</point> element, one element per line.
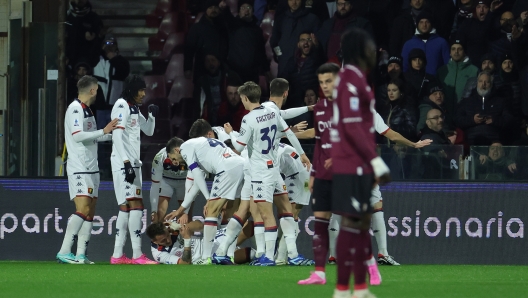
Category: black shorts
<point>351,194</point>
<point>322,195</point>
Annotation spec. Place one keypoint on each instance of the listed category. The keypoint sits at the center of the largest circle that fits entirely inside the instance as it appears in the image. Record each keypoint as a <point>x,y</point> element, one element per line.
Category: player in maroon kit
<point>355,165</point>
<point>321,176</point>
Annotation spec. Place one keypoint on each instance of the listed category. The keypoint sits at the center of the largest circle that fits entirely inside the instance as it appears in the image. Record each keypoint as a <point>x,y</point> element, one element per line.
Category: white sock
<point>297,229</point>
<point>333,232</point>
<point>84,237</point>
<point>282,251</point>
<point>134,227</point>
<point>321,274</point>
<point>371,261</point>
<point>270,236</point>
<point>72,230</point>
<point>121,233</point>
<point>380,232</point>
<point>210,228</point>
<point>288,228</point>
<point>232,230</point>
<point>231,249</point>
<point>258,231</point>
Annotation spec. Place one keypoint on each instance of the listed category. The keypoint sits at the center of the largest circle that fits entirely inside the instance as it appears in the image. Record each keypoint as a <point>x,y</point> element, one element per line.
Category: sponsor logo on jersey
<point>76,122</point>
<point>90,190</point>
<point>242,131</point>
<point>291,184</point>
<point>128,194</point>
<point>259,188</point>
<point>290,191</point>
<point>121,107</point>
<point>319,113</point>
<point>138,192</point>
<point>156,161</point>
<point>214,195</point>
<point>75,112</point>
<point>79,184</point>
<point>78,177</point>
<point>79,191</point>
<point>269,163</point>
<point>127,187</point>
<point>259,196</point>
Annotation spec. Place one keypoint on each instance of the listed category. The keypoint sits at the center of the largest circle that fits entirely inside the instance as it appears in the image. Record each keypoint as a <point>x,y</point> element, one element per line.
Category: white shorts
<point>265,191</point>
<point>83,185</point>
<point>227,184</point>
<point>169,187</point>
<point>298,191</point>
<point>125,191</point>
<point>375,195</point>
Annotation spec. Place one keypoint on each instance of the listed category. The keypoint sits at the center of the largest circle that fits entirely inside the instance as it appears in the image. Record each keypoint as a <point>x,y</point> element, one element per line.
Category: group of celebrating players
<point>252,171</point>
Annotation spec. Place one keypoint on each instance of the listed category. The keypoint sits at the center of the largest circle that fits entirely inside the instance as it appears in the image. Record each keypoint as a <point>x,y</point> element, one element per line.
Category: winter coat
<point>403,29</point>
<point>400,118</point>
<point>111,75</point>
<point>205,37</point>
<point>324,34</point>
<point>247,52</point>
<point>493,106</point>
<point>418,84</point>
<point>476,35</point>
<point>437,160</point>
<point>78,23</point>
<point>286,31</point>
<point>453,77</point>
<point>471,84</point>
<point>443,12</point>
<point>426,106</point>
<point>436,51</point>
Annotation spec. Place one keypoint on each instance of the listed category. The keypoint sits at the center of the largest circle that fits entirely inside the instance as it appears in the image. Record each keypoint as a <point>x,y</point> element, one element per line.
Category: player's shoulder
<point>193,142</point>
<point>121,104</point>
<point>162,154</point>
<point>74,108</point>
<point>220,132</point>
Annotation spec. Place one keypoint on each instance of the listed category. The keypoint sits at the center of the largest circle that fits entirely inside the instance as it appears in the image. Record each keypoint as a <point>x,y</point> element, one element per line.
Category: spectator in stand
<point>484,116</point>
<point>509,39</point>
<point>418,81</point>
<point>519,7</point>
<point>80,70</point>
<point>213,88</point>
<point>455,74</point>
<point>435,47</point>
<point>435,100</point>
<point>83,29</point>
<point>487,63</point>
<point>476,32</point>
<point>300,70</point>
<point>331,30</point>
<point>210,34</point>
<point>509,75</point>
<point>310,99</point>
<point>443,13</point>
<point>388,71</point>
<point>232,110</point>
<point>398,114</point>
<point>286,30</point>
<point>247,53</point>
<point>434,128</point>
<point>464,12</point>
<point>404,26</point>
<point>318,8</point>
<point>495,165</point>
<point>110,72</point>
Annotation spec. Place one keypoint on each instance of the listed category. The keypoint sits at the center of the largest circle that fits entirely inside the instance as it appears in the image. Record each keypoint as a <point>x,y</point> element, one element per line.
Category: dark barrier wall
<point>427,223</point>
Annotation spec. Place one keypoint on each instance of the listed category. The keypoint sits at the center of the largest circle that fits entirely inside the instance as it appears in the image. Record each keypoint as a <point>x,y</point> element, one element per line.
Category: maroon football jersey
<point>323,111</point>
<point>353,143</point>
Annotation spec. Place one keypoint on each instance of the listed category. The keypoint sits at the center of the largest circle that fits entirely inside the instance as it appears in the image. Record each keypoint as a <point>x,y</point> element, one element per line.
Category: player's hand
<point>154,110</point>
<point>228,128</point>
<point>130,174</point>
<point>311,183</point>
<point>299,127</point>
<point>328,163</point>
<point>383,179</point>
<point>423,143</point>
<point>110,126</point>
<point>184,219</point>
<point>306,161</point>
<point>185,232</point>
<point>512,167</point>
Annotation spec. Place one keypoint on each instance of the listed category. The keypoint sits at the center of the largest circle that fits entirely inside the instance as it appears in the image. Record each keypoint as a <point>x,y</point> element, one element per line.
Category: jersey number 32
<point>266,138</point>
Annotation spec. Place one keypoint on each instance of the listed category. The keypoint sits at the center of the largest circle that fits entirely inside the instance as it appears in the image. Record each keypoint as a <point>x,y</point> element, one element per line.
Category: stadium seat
<point>172,22</point>
<point>162,7</point>
<point>174,69</point>
<point>269,51</point>
<point>181,88</point>
<point>162,103</point>
<point>183,116</point>
<point>233,6</point>
<point>162,132</point>
<point>179,5</point>
<point>155,87</point>
<point>267,24</point>
<point>174,44</point>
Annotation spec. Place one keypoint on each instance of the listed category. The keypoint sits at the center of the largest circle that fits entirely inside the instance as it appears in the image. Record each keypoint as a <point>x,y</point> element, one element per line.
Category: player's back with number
<point>211,154</point>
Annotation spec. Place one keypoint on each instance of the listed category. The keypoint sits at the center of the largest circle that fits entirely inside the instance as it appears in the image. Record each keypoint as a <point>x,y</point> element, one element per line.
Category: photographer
<point>484,115</point>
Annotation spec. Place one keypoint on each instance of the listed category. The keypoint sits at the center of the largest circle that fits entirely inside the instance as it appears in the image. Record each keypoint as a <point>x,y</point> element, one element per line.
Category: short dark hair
<point>175,142</point>
<point>328,68</point>
<point>278,86</point>
<point>155,229</point>
<point>85,84</point>
<point>229,144</point>
<point>305,32</point>
<point>354,44</point>
<point>200,128</point>
<point>398,82</point>
<point>251,90</point>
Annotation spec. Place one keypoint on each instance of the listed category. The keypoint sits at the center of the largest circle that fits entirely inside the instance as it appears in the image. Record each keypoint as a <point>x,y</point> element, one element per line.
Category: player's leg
<point>270,232</point>
<point>353,242</point>
<point>163,205</point>
<point>321,204</point>
<point>284,208</point>
<point>258,231</point>
<point>234,227</point>
<point>246,233</point>
<point>86,230</point>
<point>214,208</point>
<point>333,232</point>
<point>379,229</point>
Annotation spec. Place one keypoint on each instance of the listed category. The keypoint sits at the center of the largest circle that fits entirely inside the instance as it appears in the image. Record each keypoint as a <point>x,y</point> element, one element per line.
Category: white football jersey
<point>130,120</point>
<point>221,134</point>
<point>379,124</point>
<point>211,155</point>
<point>258,132</point>
<point>290,164</point>
<point>82,156</point>
<point>162,167</point>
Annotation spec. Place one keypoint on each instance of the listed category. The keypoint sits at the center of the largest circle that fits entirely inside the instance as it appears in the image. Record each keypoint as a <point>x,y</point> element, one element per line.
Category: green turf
<point>46,279</point>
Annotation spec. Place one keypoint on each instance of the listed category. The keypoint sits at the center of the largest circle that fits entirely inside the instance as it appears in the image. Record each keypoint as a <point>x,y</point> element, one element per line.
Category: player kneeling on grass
<point>177,244</point>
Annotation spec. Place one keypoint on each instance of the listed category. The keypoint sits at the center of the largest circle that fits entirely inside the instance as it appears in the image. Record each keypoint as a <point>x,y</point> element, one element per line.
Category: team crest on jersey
<point>354,103</point>
<point>270,164</point>
<point>90,190</point>
<point>133,122</point>
<point>138,192</point>
<point>120,117</point>
<point>294,155</point>
<point>284,187</point>
<point>76,122</point>
<point>89,125</point>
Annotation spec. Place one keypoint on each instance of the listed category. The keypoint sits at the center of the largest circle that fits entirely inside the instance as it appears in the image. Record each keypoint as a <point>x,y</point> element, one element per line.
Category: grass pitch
<point>47,279</point>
